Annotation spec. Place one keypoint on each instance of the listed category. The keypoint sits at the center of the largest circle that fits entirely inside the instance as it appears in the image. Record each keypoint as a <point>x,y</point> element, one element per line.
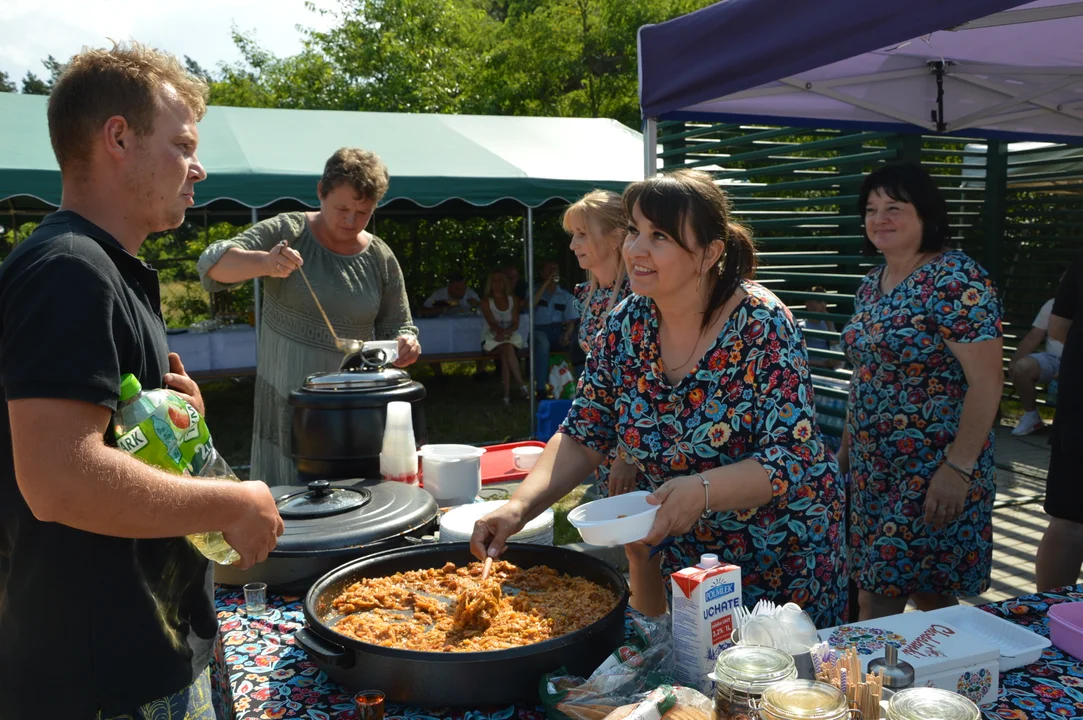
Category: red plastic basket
<point>497,464</point>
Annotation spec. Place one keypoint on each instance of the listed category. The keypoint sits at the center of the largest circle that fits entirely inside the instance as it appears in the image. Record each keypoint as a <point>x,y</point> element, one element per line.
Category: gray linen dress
<point>364,296</point>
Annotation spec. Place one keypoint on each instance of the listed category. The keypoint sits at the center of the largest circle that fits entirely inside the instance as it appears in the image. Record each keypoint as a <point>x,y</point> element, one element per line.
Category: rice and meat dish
<point>449,609</point>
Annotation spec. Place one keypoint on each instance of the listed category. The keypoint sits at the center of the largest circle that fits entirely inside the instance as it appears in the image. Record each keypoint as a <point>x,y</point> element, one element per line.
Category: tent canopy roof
<point>256,157</point>
<point>1009,69</point>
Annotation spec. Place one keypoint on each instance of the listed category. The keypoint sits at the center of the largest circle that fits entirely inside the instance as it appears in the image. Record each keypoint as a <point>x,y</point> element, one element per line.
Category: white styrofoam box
<point>1018,646</point>
<point>943,655</point>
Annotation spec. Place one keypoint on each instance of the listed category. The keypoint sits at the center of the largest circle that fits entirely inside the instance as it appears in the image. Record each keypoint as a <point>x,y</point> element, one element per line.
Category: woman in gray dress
<point>355,275</point>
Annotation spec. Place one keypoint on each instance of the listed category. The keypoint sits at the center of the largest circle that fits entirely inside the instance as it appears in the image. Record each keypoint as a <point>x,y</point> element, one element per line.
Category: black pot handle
<point>323,650</point>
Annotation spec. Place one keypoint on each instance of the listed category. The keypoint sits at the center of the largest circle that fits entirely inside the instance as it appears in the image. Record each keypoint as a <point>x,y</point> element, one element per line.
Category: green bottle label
<point>163,430</point>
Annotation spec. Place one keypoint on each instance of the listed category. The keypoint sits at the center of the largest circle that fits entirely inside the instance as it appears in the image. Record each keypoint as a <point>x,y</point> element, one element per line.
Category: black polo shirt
<point>87,622</point>
<point>1068,421</point>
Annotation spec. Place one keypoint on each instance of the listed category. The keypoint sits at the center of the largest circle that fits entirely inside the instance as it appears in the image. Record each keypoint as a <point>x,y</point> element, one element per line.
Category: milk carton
<point>704,598</point>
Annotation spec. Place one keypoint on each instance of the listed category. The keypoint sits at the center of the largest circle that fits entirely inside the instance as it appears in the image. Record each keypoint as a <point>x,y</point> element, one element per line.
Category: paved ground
<point>1018,518</point>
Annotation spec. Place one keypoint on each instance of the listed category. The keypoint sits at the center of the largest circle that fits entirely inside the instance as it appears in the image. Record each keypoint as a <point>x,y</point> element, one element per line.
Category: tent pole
<point>256,299</point>
<point>530,310</point>
<point>650,148</point>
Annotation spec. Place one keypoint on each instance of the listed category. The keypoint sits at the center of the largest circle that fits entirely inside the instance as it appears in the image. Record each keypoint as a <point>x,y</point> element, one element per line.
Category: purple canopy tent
<point>986,68</point>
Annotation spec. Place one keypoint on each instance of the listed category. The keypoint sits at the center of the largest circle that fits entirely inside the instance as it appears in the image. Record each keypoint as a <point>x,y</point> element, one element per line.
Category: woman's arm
<point>981,363</point>
<point>563,465</point>
<point>260,251</point>
<point>517,305</point>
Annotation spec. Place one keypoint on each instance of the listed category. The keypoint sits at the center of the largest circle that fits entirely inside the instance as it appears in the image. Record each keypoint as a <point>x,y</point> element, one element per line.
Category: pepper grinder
<point>898,674</point>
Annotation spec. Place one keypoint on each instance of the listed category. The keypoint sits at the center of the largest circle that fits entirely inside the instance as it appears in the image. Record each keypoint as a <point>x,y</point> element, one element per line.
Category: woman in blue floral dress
<point>597,225</point>
<point>925,341</point>
<point>702,378</point>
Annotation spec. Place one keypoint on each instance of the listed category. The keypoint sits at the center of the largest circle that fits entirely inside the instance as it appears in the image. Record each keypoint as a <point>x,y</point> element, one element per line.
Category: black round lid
<point>346,515</point>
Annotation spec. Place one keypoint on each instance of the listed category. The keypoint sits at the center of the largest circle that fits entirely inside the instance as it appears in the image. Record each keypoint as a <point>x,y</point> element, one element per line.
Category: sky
<point>32,29</point>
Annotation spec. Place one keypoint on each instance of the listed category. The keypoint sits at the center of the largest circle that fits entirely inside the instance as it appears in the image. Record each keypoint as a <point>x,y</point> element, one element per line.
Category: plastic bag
<point>625,678</point>
<point>562,381</point>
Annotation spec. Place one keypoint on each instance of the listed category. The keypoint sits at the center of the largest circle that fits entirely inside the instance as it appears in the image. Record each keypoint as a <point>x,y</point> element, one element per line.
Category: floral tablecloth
<point>259,674</point>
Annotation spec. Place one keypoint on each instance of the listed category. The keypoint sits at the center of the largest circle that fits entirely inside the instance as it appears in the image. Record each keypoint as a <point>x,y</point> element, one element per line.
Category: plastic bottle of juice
<point>162,429</point>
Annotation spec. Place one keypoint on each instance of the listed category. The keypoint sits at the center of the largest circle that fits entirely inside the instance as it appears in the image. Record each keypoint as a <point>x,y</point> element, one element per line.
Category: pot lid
<point>346,380</point>
<point>928,703</point>
<point>805,700</point>
<point>346,515</point>
<point>321,500</point>
<point>753,668</point>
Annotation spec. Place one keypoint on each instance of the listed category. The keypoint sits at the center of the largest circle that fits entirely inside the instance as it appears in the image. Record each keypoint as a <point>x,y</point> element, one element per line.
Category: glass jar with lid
<point>803,700</point>
<point>742,674</point>
<point>925,703</point>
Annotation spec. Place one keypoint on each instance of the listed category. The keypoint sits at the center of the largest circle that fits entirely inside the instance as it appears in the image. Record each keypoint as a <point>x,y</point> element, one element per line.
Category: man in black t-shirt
<point>1060,553</point>
<point>104,607</point>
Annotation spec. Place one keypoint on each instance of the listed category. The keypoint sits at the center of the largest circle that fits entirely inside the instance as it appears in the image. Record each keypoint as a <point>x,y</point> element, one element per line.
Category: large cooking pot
<point>328,523</point>
<point>434,679</point>
<point>339,418</point>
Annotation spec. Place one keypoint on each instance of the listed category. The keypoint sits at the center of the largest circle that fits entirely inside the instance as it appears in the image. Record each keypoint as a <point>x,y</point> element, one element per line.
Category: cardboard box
<point>943,656</point>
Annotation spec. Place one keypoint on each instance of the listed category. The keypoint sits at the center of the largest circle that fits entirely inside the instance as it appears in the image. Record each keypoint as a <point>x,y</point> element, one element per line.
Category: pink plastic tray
<point>1066,627</point>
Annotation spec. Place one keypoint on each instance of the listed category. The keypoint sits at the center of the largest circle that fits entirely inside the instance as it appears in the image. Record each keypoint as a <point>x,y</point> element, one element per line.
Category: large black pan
<point>434,679</point>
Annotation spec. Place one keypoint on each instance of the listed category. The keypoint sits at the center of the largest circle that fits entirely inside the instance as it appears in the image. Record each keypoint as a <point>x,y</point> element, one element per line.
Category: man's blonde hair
<point>126,80</point>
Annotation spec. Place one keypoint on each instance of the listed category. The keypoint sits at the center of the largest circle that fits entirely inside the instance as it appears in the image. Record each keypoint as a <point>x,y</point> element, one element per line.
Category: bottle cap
<point>129,387</point>
<point>708,560</point>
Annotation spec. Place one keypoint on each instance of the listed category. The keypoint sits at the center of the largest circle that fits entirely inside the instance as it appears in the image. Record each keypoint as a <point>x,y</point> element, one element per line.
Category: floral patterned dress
<point>593,308</point>
<point>904,409</point>
<point>749,397</point>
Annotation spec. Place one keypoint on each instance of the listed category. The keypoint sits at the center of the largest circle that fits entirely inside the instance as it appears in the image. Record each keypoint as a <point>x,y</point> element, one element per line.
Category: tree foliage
<point>5,84</point>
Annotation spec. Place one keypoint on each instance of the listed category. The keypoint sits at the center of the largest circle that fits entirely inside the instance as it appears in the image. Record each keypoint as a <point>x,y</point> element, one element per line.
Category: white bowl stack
<point>457,524</point>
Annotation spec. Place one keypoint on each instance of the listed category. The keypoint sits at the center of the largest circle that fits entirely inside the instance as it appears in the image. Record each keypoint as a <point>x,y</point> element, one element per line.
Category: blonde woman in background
<point>500,337</point>
<point>597,225</point>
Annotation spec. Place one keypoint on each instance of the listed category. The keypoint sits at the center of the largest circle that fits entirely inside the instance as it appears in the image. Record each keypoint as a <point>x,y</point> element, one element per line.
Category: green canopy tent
<point>272,158</point>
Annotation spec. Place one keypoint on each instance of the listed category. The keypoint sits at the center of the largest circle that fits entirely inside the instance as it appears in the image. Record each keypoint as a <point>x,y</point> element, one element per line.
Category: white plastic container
<point>1018,646</point>
<point>525,457</point>
<point>457,524</point>
<point>451,473</point>
<point>615,520</point>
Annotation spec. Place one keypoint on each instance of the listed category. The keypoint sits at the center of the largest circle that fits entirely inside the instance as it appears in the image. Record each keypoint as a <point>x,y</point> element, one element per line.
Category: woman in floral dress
<point>925,341</point>
<point>702,379</point>
<point>597,225</point>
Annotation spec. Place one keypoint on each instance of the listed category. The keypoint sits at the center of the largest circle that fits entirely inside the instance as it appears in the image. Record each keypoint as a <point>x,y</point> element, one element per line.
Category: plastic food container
<point>524,457</point>
<point>615,520</point>
<point>1066,627</point>
<point>457,524</point>
<point>452,473</point>
<point>1018,646</point>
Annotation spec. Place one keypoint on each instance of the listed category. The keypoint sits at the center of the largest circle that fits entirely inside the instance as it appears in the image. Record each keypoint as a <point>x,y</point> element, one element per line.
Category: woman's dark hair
<point>909,183</point>
<point>672,200</point>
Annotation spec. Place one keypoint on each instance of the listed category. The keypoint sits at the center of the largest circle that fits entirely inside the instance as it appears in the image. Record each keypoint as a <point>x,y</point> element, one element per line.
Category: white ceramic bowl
<point>526,456</point>
<point>599,522</point>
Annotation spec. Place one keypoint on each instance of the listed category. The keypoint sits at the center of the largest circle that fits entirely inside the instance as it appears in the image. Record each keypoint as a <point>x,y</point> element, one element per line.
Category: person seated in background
<point>500,337</point>
<point>554,322</point>
<point>815,342</point>
<point>1028,368</point>
<point>455,299</point>
<point>516,284</point>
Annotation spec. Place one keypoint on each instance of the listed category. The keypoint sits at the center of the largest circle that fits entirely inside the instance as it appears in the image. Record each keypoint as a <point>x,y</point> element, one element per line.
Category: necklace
<point>913,265</point>
<point>688,359</point>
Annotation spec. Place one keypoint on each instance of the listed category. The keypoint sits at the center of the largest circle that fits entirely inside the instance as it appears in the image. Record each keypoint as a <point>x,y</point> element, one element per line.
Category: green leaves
<point>571,58</point>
